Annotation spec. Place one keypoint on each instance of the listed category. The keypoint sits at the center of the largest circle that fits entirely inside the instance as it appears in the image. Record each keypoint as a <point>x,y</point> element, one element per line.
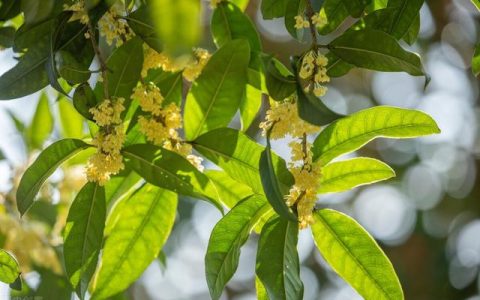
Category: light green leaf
<point>36,11</point>
<point>71,121</point>
<point>228,236</point>
<point>476,61</point>
<point>120,186</point>
<point>42,123</point>
<point>273,190</point>
<point>250,106</point>
<point>239,157</point>
<point>476,3</point>
<point>230,23</point>
<point>140,231</point>
<point>229,190</point>
<point>178,24</point>
<point>171,171</point>
<point>355,256</point>
<point>350,133</point>
<point>216,95</point>
<point>273,8</point>
<point>348,174</point>
<point>278,265</point>
<point>83,236</point>
<point>9,269</point>
<point>260,289</point>
<point>404,17</point>
<point>411,36</point>
<point>335,12</point>
<point>45,164</point>
<point>376,50</point>
<point>242,4</point>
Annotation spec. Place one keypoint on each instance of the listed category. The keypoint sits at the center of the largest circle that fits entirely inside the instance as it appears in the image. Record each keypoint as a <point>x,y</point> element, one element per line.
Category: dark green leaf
<point>216,95</point>
<point>278,265</point>
<point>279,80</point>
<point>356,7</point>
<point>7,35</point>
<point>350,133</point>
<point>312,109</point>
<point>84,99</point>
<point>36,11</point>
<point>294,8</point>
<point>140,21</point>
<point>9,9</point>
<point>9,269</point>
<point>83,236</point>
<point>376,50</point>
<point>335,12</point>
<point>239,157</point>
<point>406,12</point>
<point>348,174</point>
<point>337,67</point>
<point>273,8</point>
<point>139,233</point>
<point>70,69</point>
<point>169,170</point>
<point>355,256</point>
<point>228,236</point>
<point>229,23</point>
<point>45,164</point>
<point>411,36</point>
<point>250,106</point>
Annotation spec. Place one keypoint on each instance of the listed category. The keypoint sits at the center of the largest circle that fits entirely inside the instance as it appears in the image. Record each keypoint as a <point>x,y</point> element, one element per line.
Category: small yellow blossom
<point>194,69</point>
<point>78,10</point>
<point>314,69</point>
<point>100,166</point>
<point>319,20</point>
<point>114,28</point>
<point>149,97</point>
<point>154,60</point>
<point>196,161</point>
<point>108,112</point>
<point>301,22</point>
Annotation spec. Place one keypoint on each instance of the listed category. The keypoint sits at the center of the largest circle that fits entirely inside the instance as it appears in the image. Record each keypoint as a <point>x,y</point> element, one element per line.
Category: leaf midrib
<point>124,70</point>
<point>355,173</point>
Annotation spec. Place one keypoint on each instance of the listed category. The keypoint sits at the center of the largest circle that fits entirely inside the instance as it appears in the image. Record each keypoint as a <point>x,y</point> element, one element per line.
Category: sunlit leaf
<point>9,269</point>
<point>141,230</point>
<point>45,164</point>
<point>476,3</point>
<point>250,106</point>
<point>476,61</point>
<point>350,133</point>
<point>83,236</point>
<point>260,289</point>
<point>229,190</point>
<point>141,22</point>
<point>42,124</point>
<point>170,84</point>
<point>348,174</point>
<point>71,121</point>
<point>278,266</point>
<point>355,256</point>
<point>226,239</point>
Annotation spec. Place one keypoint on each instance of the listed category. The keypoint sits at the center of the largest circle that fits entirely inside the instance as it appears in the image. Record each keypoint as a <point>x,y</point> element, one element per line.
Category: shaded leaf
<point>279,81</point>
<point>335,12</point>
<point>7,35</point>
<point>294,8</point>
<point>406,11</point>
<point>170,84</point>
<point>84,99</point>
<point>140,21</point>
<point>355,7</point>
<point>273,8</point>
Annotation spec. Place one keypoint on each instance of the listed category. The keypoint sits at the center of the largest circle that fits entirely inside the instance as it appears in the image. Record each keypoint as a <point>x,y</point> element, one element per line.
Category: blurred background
<point>427,219</point>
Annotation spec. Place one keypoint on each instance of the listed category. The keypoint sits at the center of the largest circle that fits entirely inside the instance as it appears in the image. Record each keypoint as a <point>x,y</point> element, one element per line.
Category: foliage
<point>147,82</point>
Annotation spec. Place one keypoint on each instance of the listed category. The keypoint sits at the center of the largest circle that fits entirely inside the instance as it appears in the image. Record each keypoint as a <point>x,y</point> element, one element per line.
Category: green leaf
<point>170,84</point>
<point>228,236</point>
<point>355,256</point>
<point>294,8</point>
<point>335,12</point>
<point>348,174</point>
<point>242,4</point>
<point>120,186</point>
<point>273,190</point>
<point>9,269</point>
<point>273,8</point>
<point>141,230</point>
<point>406,12</point>
<point>239,157</point>
<point>83,236</point>
<point>9,9</point>
<point>350,133</point>
<point>250,106</point>
<point>376,50</point>
<point>171,171</point>
<point>124,68</point>
<point>476,61</point>
<point>312,109</point>
<point>260,289</point>
<point>411,36</point>
<point>42,123</point>
<point>70,119</point>
<point>45,164</point>
<point>178,24</point>
<point>355,7</point>
<point>229,23</point>
<point>7,35</point>
<point>70,69</point>
<point>337,67</point>
<point>278,265</point>
<point>229,190</point>
<point>140,21</point>
<point>216,94</point>
<point>476,3</point>
<point>35,11</point>
<point>279,80</point>
<point>84,99</point>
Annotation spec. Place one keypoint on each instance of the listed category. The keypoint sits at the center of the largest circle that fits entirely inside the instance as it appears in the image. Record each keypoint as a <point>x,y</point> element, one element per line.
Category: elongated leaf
<point>42,123</point>
<point>376,50</point>
<point>228,236</point>
<point>406,12</point>
<point>7,35</point>
<point>279,81</point>
<point>277,264</point>
<point>261,291</point>
<point>348,174</point>
<point>9,9</point>
<point>239,156</point>
<point>170,84</point>
<point>84,99</point>
<point>335,12</point>
<point>273,190</point>
<point>294,8</point>
<point>45,164</point>
<point>412,34</point>
<point>83,236</point>
<point>476,3</point>
<point>229,190</point>
<point>337,67</point>
<point>229,23</point>
<point>9,269</point>
<point>476,61</point>
<point>250,106</point>
<point>312,109</point>
<point>141,230</point>
<point>70,119</point>
<point>141,22</point>
<point>124,67</point>
<point>171,171</point>
<point>273,8</point>
<point>355,256</point>
<point>216,95</point>
<point>350,133</point>
<point>242,4</point>
<point>355,7</point>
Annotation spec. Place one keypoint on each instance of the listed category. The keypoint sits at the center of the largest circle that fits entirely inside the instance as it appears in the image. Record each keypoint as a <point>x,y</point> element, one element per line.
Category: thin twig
<point>103,64</point>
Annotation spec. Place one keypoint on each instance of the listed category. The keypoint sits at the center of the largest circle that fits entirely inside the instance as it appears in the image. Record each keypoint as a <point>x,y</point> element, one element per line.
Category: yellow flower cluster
<point>109,141</point>
<point>301,22</point>
<point>319,20</point>
<point>314,69</point>
<point>282,118</point>
<point>192,67</point>
<point>163,122</point>
<point>78,10</point>
<point>114,28</point>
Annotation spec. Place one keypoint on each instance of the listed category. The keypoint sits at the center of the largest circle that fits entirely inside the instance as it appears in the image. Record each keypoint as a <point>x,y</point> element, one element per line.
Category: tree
<point>152,81</point>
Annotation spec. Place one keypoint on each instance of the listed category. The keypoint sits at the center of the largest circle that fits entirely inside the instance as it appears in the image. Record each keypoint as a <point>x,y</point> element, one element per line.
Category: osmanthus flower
<point>196,65</point>
<point>107,160</point>
<point>301,22</point>
<point>113,27</point>
<point>78,11</point>
<point>319,19</point>
<point>313,69</point>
